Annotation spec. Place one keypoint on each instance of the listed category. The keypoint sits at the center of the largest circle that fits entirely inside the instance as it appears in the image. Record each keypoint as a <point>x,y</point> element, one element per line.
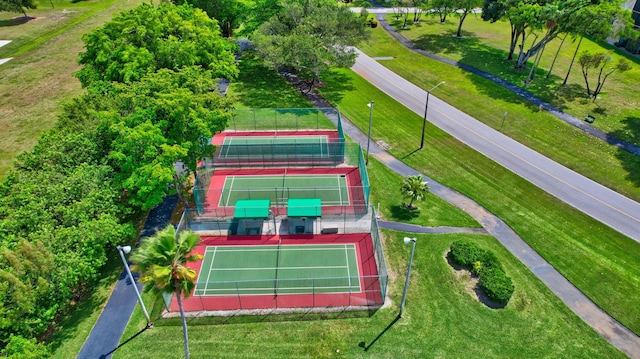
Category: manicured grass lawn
<point>598,260</point>
<point>39,78</point>
<point>432,211</point>
<point>487,102</point>
<point>441,319</point>
<point>259,86</point>
<point>485,46</point>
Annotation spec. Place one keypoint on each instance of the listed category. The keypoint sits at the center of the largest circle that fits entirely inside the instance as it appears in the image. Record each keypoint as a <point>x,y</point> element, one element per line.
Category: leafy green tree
<point>419,6</point>
<point>161,261</point>
<point>414,189</point>
<point>19,347</point>
<point>228,13</point>
<point>25,274</point>
<point>551,18</point>
<point>443,8</point>
<point>260,11</point>
<point>164,118</point>
<point>147,38</point>
<point>599,61</point>
<point>462,9</point>
<point>310,36</point>
<point>17,6</point>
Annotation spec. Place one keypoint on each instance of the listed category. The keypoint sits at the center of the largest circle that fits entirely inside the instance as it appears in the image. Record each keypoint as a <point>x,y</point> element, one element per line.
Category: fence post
<point>254,120</point>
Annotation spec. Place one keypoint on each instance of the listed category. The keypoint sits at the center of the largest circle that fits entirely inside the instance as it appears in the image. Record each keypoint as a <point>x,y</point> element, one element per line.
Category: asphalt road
<point>597,201</point>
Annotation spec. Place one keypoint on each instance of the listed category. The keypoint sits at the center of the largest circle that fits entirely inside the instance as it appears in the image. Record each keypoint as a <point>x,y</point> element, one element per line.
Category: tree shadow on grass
<point>630,162</point>
<point>16,21</point>
<point>259,86</point>
<point>336,84</point>
<point>402,213</point>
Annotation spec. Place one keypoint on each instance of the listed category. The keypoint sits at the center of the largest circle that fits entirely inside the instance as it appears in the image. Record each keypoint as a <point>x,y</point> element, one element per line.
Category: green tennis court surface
<point>331,189</point>
<point>274,146</point>
<point>286,269</point>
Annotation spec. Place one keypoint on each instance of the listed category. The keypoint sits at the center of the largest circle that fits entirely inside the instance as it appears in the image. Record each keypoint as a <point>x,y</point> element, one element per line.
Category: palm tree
<point>414,189</point>
<point>161,262</point>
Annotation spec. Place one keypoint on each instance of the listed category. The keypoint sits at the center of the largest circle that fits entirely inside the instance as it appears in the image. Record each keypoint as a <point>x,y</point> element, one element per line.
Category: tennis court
<point>331,188</point>
<point>273,146</point>
<point>279,269</point>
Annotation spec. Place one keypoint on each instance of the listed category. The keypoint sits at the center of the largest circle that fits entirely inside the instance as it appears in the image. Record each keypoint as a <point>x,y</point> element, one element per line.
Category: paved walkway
<point>2,43</point>
<point>106,333</point>
<point>609,328</point>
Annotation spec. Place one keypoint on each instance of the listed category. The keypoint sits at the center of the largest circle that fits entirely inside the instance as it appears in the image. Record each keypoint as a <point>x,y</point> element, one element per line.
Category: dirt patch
<point>469,283</point>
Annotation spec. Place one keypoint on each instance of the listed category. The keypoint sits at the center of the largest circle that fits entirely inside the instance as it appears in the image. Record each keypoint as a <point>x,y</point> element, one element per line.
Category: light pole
<point>370,105</point>
<point>406,282</point>
<point>426,107</point>
<point>122,251</point>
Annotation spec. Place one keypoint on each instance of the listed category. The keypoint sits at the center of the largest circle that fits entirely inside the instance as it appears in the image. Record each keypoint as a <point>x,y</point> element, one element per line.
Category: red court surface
<point>354,184</point>
<point>370,296</point>
<point>332,135</point>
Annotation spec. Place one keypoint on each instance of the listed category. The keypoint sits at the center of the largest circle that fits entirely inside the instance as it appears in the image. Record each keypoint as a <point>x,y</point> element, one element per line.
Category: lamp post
<point>426,107</point>
<point>370,105</point>
<point>406,282</point>
<point>122,251</point>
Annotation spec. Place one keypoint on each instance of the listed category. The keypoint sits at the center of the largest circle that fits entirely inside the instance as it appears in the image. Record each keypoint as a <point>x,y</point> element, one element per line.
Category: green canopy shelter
<point>304,207</point>
<point>252,208</point>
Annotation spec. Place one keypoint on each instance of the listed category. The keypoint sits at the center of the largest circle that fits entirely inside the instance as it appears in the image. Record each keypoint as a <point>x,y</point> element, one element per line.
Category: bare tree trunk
<point>601,84</point>
<point>180,191</point>
<point>556,56</point>
<point>571,64</point>
<point>534,66</point>
<point>462,17</point>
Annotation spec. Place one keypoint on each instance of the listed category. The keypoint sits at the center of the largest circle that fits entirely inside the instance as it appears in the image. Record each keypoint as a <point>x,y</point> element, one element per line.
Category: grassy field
<point>487,102</point>
<point>39,78</point>
<point>441,319</point>
<point>485,46</point>
<point>604,264</point>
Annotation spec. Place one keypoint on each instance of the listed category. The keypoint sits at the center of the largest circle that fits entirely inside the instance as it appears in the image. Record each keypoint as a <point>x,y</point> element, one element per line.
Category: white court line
<point>233,178</point>
<point>280,268</point>
<point>346,256</point>
<point>286,289</point>
<point>283,249</point>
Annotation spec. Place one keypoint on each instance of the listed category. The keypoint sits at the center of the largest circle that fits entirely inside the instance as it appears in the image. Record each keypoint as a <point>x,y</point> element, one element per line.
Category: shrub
<point>465,254</point>
<point>493,280</point>
<point>496,285</point>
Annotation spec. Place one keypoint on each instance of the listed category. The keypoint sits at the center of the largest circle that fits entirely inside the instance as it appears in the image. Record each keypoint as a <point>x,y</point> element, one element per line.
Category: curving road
<point>599,202</point>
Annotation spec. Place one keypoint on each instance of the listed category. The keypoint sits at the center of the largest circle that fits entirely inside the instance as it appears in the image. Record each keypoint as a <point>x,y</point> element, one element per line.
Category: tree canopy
<point>149,125</point>
<point>148,38</point>
<point>310,36</point>
<point>576,17</point>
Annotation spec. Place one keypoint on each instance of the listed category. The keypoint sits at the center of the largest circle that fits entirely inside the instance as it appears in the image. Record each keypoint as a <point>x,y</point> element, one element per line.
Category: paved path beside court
<point>605,325</point>
<point>106,333</point>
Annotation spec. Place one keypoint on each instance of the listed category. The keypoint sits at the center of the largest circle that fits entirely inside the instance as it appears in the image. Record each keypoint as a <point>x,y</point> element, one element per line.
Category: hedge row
<point>494,282</point>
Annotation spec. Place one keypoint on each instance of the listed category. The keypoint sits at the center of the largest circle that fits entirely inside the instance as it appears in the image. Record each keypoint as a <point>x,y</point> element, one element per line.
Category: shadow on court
<point>273,316</point>
<point>366,347</point>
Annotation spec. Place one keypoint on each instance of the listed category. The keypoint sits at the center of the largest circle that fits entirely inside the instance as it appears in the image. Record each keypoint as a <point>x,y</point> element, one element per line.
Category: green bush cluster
<point>494,282</point>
